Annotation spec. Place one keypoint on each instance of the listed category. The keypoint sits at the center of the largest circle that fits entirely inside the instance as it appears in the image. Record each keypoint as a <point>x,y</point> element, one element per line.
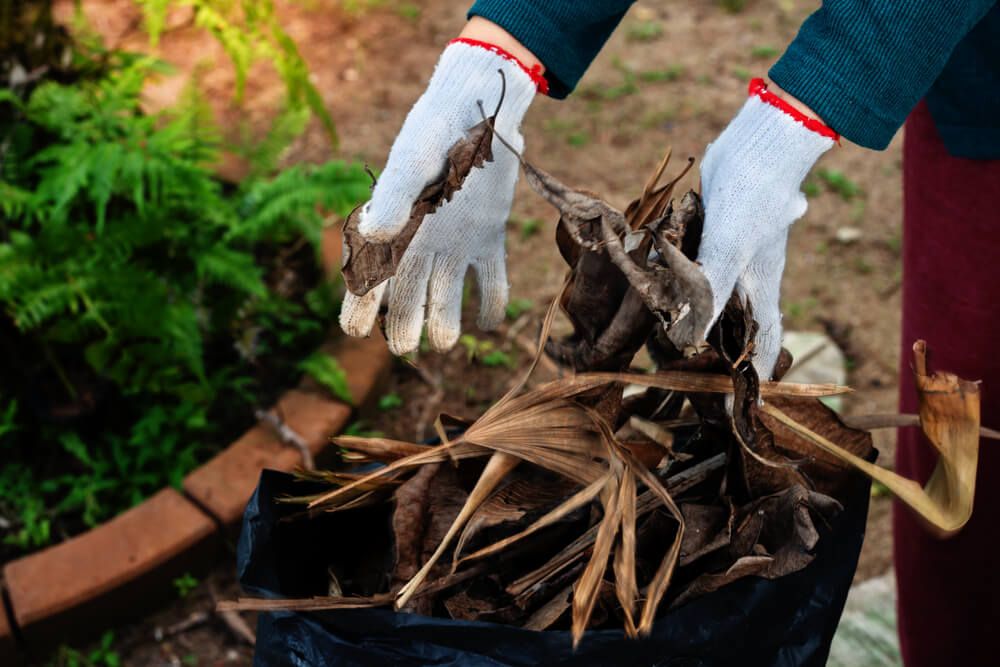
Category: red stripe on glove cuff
<point>535,72</point>
<point>759,88</point>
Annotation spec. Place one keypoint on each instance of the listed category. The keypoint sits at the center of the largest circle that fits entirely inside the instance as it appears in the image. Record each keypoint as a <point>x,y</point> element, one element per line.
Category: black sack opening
<point>752,622</point>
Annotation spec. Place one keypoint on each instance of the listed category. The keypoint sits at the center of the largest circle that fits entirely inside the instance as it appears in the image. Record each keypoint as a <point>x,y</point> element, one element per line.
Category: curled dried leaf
<point>368,263</point>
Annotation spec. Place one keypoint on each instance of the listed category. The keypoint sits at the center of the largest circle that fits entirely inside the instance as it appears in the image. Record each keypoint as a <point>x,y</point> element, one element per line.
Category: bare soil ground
<point>672,75</point>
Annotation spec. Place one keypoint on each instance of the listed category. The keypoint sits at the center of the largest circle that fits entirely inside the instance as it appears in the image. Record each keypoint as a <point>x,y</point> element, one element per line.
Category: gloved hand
<point>467,231</point>
<point>750,181</point>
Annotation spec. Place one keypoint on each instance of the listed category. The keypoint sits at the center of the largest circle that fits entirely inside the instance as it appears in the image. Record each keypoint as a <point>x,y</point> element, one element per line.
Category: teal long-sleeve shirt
<point>862,65</point>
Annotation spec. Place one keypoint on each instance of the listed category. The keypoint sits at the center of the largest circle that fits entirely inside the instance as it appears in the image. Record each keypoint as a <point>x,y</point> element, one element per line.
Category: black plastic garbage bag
<point>752,622</point>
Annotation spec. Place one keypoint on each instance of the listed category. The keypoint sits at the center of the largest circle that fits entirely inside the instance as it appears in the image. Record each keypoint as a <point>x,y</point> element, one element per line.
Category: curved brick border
<point>123,567</point>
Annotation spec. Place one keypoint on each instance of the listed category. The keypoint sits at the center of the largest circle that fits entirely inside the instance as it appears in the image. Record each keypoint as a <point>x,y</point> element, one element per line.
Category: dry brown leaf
<point>496,469</point>
<point>774,536</point>
<point>551,611</point>
<point>369,263</point>
<point>708,528</point>
<point>521,497</point>
<point>825,472</point>
<point>626,587</point>
<point>587,587</point>
<point>949,417</point>
<point>647,502</point>
<point>380,449</point>
<point>579,499</point>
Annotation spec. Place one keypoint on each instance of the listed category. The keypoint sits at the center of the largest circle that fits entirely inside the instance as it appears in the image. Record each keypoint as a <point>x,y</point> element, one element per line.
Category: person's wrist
<point>482,30</point>
<point>793,101</point>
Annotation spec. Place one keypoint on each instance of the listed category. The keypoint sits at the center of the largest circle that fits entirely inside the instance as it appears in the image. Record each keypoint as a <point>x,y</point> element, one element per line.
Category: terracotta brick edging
<point>126,566</point>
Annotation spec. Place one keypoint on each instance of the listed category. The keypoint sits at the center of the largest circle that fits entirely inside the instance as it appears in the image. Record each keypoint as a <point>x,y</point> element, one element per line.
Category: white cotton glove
<point>750,180</point>
<point>466,232</point>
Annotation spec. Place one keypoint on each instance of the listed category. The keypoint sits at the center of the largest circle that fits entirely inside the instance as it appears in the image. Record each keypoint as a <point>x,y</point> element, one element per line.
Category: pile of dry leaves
<point>607,496</point>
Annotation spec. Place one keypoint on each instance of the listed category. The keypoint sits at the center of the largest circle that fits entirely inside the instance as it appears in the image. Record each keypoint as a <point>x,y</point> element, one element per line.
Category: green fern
<point>327,371</point>
<point>139,296</point>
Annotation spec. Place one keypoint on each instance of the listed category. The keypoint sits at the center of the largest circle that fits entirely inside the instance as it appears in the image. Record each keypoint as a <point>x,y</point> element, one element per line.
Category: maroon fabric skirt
<point>949,590</point>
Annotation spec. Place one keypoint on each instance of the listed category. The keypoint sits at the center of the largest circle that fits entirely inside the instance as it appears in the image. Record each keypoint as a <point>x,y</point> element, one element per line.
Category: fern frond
<point>231,267</point>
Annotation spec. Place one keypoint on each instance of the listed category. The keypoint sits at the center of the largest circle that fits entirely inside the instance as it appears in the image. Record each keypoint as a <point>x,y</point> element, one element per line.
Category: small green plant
<point>811,188</point>
<point>610,93</point>
<point>645,31</point>
<point>390,402</point>
<point>607,93</point>
<point>185,584</point>
<point>742,73</point>
<point>328,372</point>
<point>484,352</point>
<point>671,73</point>
<point>530,227</point>
<point>103,656</point>
<point>798,309</point>
<point>895,243</point>
<point>409,10</point>
<point>838,182</point>
<point>518,307</point>
<point>765,52</point>
<point>732,6</point>
<point>879,490</point>
<point>361,6</point>
<point>578,139</point>
<point>362,429</point>
<point>496,358</point>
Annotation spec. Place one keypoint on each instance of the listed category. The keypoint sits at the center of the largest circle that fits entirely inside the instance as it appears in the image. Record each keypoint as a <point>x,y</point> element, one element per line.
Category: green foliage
<point>837,181</point>
<point>145,309</point>
<point>327,371</point>
<point>732,6</point>
<point>629,84</point>
<point>528,226</point>
<point>249,31</point>
<point>879,490</point>
<point>497,358</point>
<point>103,656</point>
<point>578,139</point>
<point>863,266</point>
<point>361,429</point>
<point>671,73</point>
<point>742,73</point>
<point>185,584</point>
<point>390,402</point>
<point>518,307</point>
<point>764,52</point>
<point>409,10</point>
<point>645,31</point>
<point>484,352</point>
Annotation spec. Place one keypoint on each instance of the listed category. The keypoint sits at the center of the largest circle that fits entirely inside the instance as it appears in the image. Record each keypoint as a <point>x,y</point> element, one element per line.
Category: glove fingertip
<point>494,293</point>
<point>381,223</point>
<point>358,313</point>
<point>767,349</point>
<point>798,206</point>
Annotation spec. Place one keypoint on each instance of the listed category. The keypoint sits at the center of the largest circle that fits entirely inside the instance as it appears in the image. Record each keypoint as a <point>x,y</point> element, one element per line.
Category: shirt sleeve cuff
<point>537,33</point>
<point>840,106</point>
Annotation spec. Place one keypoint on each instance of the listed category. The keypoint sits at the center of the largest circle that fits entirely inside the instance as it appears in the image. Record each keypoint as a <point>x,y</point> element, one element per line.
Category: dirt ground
<point>672,75</point>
